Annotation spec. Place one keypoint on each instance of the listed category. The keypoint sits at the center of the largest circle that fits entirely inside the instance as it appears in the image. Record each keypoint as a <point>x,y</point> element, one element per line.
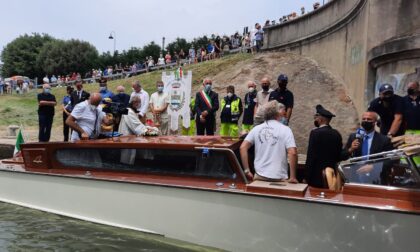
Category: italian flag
<point>19,141</point>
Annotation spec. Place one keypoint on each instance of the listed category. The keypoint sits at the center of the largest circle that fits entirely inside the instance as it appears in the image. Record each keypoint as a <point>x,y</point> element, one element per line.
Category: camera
<point>115,108</point>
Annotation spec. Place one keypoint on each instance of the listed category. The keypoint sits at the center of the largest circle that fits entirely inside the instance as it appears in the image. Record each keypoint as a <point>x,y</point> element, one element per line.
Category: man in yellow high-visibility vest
<point>231,112</point>
<point>191,130</point>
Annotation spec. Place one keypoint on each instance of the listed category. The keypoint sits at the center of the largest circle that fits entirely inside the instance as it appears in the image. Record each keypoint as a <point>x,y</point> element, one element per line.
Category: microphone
<point>360,134</point>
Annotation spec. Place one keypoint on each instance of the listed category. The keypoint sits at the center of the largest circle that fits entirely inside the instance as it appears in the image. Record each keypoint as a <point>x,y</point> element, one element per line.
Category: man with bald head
<point>370,142</point>
<point>144,100</point>
<point>262,98</point>
<point>46,104</point>
<point>412,108</point>
<point>121,97</point>
<point>250,102</point>
<point>86,118</point>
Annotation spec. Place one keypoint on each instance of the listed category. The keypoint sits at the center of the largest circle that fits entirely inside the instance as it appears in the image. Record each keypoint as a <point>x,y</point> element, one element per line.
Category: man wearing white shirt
<point>159,102</point>
<point>274,146</point>
<point>144,98</point>
<point>86,118</point>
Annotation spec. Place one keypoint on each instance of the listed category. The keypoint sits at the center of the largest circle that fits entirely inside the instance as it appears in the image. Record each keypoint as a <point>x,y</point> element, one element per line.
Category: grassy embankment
<point>17,109</point>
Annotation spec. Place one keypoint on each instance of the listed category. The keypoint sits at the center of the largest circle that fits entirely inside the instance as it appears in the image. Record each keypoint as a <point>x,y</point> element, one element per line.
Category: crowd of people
<point>261,117</point>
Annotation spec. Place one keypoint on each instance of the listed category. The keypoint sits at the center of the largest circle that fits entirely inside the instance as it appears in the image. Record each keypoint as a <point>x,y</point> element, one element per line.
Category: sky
<point>137,23</point>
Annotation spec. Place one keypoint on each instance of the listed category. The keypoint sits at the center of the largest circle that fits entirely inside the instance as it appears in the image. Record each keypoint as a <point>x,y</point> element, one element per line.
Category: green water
<point>23,229</point>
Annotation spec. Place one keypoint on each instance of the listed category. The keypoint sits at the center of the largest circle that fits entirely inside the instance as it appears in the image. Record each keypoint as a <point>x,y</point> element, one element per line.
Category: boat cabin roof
<point>159,141</point>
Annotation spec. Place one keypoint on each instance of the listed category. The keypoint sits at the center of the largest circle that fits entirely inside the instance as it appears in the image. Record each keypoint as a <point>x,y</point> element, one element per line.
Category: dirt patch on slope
<point>310,84</point>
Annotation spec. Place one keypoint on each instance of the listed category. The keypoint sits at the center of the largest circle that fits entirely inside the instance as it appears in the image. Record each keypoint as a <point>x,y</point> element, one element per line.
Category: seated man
<point>272,141</point>
<point>86,118</point>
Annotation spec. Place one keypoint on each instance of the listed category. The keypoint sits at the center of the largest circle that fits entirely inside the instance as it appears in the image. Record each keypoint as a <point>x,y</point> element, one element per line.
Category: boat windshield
<point>391,171</point>
<point>161,161</point>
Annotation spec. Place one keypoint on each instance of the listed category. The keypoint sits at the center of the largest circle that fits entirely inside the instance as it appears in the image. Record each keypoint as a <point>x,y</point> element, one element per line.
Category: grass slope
<point>17,109</point>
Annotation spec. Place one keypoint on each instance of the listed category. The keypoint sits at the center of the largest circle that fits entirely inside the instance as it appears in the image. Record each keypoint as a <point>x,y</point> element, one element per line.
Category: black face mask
<point>368,126</point>
<point>387,99</point>
<point>282,86</point>
<point>316,123</point>
<point>411,91</point>
<point>265,88</point>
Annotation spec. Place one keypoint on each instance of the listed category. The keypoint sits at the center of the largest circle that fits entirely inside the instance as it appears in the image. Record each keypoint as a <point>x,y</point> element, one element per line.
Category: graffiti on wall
<point>399,81</point>
<point>356,54</point>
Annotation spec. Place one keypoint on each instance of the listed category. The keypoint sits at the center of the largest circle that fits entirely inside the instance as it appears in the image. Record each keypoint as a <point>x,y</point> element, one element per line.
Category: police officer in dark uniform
<point>389,107</point>
<point>283,95</point>
<point>250,102</point>
<point>412,108</point>
<point>206,106</point>
<point>324,149</point>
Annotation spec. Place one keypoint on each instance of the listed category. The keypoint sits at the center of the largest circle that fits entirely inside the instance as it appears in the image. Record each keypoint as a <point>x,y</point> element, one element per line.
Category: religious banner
<point>178,87</point>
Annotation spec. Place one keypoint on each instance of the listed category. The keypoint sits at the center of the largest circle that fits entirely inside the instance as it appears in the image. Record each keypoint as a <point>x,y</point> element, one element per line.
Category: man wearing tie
<point>79,95</point>
<point>372,141</point>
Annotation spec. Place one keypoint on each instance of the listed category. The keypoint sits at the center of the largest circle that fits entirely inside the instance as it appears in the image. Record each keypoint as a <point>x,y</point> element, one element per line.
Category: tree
<point>177,45</point>
<point>19,56</point>
<point>64,57</point>
<point>151,50</point>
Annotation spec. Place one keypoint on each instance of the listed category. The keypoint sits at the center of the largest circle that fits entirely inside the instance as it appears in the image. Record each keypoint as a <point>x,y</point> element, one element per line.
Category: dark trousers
<point>207,127</point>
<point>66,128</point>
<point>45,124</point>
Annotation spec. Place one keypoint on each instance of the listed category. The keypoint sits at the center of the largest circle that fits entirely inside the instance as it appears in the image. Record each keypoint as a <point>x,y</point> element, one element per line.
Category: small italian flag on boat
<point>19,141</point>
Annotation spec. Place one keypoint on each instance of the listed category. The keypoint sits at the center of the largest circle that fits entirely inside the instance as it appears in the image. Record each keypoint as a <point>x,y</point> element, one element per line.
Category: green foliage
<point>19,56</point>
<point>151,50</point>
<point>177,45</point>
<point>63,57</point>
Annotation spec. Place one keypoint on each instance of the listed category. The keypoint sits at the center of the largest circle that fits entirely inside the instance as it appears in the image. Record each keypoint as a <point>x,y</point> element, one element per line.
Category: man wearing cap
<point>144,100</point>
<point>324,149</point>
<point>412,108</point>
<point>389,107</point>
<point>103,89</point>
<point>283,95</point>
<point>205,107</point>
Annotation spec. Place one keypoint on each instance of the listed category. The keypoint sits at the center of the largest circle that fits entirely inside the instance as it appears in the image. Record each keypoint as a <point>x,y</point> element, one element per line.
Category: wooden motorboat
<point>194,189</point>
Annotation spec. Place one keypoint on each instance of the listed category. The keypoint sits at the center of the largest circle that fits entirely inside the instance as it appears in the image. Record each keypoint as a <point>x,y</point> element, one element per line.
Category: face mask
<point>387,99</point>
<point>411,91</point>
<point>368,126</point>
<point>47,91</point>
<point>102,89</point>
<point>251,89</point>
<point>93,107</point>
<point>282,85</point>
<point>229,95</point>
<point>160,89</point>
<point>265,88</point>
<point>283,121</point>
<point>316,123</point>
<point>208,87</point>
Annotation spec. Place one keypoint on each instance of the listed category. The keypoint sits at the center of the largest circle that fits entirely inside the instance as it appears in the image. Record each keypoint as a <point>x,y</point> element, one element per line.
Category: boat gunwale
<point>306,198</point>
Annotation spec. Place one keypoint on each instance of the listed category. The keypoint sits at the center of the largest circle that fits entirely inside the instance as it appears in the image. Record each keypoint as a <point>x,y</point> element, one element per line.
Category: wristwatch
<point>247,171</point>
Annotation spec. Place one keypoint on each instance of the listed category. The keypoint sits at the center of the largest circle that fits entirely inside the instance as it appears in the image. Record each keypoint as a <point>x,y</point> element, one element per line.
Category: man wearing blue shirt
<point>103,89</point>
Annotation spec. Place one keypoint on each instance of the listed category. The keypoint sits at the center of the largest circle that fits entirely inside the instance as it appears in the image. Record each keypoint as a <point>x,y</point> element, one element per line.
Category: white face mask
<point>229,95</point>
<point>251,89</point>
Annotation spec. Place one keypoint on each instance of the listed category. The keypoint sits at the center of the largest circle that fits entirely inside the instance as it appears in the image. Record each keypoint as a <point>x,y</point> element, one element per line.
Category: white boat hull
<point>231,221</point>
